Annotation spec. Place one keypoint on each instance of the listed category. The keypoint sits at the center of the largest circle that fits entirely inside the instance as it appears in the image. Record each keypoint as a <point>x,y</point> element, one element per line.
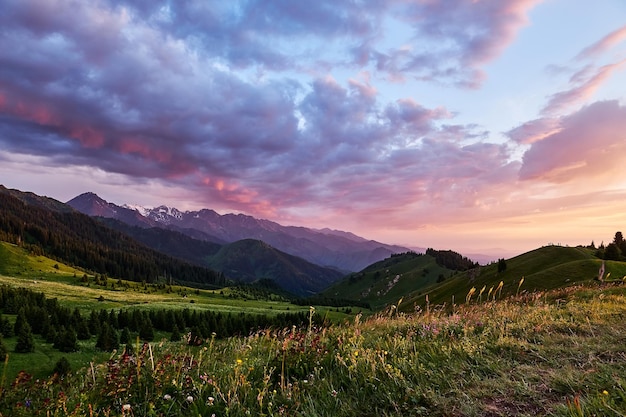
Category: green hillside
<point>389,280</point>
<point>249,260</point>
<point>544,268</point>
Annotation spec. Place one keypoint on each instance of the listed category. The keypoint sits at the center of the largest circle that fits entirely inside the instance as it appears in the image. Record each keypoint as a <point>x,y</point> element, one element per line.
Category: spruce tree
<point>175,336</point>
<point>62,367</point>
<point>125,337</point>
<point>19,322</point>
<point>107,338</point>
<point>66,340</point>
<point>6,328</point>
<point>25,343</point>
<point>146,332</point>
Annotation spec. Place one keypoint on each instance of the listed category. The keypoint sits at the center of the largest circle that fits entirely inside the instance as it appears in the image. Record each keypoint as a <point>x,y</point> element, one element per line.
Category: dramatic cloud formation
<point>338,114</point>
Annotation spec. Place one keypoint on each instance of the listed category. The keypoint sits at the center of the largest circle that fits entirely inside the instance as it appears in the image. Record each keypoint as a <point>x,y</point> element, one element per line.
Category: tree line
<point>65,327</point>
<point>451,260</point>
<point>614,251</point>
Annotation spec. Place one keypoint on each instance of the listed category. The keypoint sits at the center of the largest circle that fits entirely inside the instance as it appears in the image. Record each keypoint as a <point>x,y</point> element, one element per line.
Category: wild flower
<point>126,407</point>
<point>167,397</point>
<point>189,399</point>
<point>210,401</point>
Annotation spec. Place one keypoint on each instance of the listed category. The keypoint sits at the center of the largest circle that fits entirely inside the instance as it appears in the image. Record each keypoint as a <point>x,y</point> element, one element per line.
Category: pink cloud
<point>584,90</point>
<point>604,44</point>
<point>590,145</point>
<point>535,130</point>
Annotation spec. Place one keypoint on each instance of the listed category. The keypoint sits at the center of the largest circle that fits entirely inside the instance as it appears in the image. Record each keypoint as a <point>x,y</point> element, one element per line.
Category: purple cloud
<point>148,90</point>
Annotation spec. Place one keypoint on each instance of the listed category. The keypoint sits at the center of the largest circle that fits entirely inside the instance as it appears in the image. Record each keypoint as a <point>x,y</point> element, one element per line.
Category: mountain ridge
<point>336,249</point>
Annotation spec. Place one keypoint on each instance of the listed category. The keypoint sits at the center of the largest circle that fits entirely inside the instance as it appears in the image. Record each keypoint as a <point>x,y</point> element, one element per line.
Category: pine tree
<point>6,328</point>
<point>107,338</point>
<point>175,336</point>
<point>66,340</point>
<point>19,322</point>
<point>146,332</point>
<point>125,337</point>
<point>25,343</point>
<point>62,367</point>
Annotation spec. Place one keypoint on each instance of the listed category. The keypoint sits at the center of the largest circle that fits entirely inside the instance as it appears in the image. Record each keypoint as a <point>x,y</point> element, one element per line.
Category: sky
<point>482,126</point>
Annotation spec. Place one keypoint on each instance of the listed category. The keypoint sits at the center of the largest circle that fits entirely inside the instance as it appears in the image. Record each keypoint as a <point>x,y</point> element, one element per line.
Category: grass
<point>542,269</point>
<point>552,353</point>
<point>388,280</point>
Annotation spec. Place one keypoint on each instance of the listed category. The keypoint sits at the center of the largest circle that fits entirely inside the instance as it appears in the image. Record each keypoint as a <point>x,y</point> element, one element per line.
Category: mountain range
<point>343,251</point>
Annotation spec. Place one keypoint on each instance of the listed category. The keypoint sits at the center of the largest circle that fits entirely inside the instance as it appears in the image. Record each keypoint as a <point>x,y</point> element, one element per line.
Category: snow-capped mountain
<point>325,247</point>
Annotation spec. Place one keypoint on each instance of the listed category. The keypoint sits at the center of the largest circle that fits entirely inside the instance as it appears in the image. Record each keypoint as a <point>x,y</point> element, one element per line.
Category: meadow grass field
<point>558,352</point>
<point>555,353</point>
<point>55,280</point>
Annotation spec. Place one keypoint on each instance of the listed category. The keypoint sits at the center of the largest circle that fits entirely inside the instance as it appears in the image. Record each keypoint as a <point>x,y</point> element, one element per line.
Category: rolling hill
<point>545,268</point>
<point>387,281</point>
<point>413,277</point>
<point>50,228</point>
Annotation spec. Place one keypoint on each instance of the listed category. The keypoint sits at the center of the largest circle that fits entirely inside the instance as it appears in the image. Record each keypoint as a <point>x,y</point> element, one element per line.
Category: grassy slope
<point>543,268</point>
<point>375,284</point>
<point>559,354</point>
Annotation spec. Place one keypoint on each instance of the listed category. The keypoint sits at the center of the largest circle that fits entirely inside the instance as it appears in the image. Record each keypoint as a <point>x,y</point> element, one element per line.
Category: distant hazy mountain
<point>341,250</point>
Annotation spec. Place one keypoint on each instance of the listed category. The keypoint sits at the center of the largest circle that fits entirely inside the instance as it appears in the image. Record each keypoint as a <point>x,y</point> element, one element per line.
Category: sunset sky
<point>483,126</point>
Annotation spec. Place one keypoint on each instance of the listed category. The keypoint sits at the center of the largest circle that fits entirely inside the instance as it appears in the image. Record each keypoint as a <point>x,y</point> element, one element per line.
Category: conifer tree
<point>19,322</point>
<point>6,328</point>
<point>175,336</point>
<point>125,336</point>
<point>66,340</point>
<point>107,338</point>
<point>62,367</point>
<point>146,332</point>
<point>25,342</point>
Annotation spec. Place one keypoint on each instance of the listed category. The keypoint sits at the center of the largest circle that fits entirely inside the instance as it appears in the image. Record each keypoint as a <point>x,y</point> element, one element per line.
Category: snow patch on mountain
<point>144,211</point>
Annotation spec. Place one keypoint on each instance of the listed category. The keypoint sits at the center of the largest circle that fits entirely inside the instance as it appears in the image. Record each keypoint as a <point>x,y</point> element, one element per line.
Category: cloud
<point>585,84</point>
<point>589,147</point>
<point>227,102</point>
<point>453,40</point>
<point>145,101</point>
<point>535,130</point>
<point>606,43</point>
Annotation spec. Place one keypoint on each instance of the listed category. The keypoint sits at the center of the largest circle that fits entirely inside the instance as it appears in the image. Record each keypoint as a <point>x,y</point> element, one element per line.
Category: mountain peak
<point>93,205</point>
